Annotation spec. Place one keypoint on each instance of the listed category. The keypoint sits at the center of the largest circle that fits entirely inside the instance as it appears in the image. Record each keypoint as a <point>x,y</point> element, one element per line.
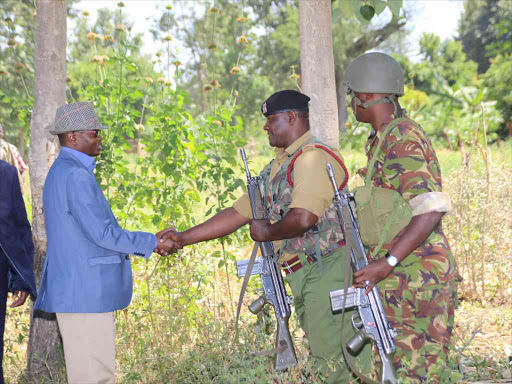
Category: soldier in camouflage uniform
<point>303,225</point>
<point>415,271</point>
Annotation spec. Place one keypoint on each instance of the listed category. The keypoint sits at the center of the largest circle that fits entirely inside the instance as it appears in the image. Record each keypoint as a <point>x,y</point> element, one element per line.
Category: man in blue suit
<point>87,273</point>
<point>16,248</point>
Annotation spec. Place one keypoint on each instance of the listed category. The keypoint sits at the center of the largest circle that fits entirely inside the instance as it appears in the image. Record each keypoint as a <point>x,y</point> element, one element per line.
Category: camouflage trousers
<point>424,319</point>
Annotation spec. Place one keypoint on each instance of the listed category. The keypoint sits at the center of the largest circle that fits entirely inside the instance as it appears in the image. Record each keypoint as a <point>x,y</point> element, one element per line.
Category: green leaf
<point>394,6</point>
<point>367,11</point>
<point>478,97</point>
<point>380,6</point>
<point>345,8</point>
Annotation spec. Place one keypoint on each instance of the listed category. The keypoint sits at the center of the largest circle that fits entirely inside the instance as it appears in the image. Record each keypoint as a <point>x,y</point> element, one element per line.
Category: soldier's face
<point>359,112</point>
<point>278,128</point>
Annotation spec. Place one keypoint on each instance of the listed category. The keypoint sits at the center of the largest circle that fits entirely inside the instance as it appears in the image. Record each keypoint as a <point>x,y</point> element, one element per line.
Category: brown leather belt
<point>294,264</point>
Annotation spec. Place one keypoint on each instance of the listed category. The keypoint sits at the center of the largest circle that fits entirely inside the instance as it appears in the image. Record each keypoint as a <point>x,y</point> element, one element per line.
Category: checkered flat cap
<point>79,116</point>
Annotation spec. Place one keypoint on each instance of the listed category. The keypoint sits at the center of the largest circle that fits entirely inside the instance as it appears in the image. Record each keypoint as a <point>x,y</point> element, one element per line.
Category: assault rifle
<point>274,292</point>
<point>371,322</point>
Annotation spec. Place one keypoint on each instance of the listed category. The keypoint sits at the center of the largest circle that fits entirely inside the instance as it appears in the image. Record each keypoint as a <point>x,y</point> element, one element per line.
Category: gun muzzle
<point>257,305</point>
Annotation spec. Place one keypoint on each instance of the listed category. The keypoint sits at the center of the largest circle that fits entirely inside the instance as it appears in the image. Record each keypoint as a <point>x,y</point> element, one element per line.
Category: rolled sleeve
<point>431,202</point>
<point>313,190</point>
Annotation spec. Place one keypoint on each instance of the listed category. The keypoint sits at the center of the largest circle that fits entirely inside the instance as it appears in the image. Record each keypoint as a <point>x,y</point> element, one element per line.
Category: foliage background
<point>170,157</point>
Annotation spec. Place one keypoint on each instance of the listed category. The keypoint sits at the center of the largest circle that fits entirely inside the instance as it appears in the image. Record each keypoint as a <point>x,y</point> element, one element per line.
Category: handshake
<point>167,242</point>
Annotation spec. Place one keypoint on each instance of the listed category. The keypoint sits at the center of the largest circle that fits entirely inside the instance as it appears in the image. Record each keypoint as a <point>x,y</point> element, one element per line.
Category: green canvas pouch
<point>382,213</point>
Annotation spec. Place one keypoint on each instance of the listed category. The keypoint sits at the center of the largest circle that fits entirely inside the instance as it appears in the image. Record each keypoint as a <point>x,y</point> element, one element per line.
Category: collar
<point>86,160</point>
<point>293,147</point>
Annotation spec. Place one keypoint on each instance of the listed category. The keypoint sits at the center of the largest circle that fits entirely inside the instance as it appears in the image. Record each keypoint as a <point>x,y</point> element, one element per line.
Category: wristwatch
<point>392,260</point>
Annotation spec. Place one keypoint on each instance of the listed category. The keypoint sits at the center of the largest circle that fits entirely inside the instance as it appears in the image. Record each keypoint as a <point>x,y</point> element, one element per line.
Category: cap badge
<point>264,108</point>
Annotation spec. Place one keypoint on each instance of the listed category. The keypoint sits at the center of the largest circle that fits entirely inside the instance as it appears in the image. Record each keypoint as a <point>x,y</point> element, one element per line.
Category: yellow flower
<point>217,122</point>
<point>214,10</point>
<point>243,40</point>
<point>139,127</point>
<point>177,63</point>
<point>215,83</point>
<point>120,28</point>
<point>167,38</point>
<point>241,19</point>
<point>160,80</point>
<point>235,70</point>
<point>20,67</point>
<point>91,36</point>
<point>85,13</point>
<point>148,80</point>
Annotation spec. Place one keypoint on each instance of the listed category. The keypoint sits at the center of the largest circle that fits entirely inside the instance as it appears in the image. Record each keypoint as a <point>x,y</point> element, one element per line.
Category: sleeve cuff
<point>149,251</point>
<point>430,202</point>
<point>243,206</point>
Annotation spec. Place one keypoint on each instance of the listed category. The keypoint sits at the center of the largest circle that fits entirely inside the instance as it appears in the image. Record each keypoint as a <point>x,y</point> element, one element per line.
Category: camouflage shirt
<point>408,164</point>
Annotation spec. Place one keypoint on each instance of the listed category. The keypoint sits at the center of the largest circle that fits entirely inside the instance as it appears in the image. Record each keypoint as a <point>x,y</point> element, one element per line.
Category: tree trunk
<point>317,68</point>
<point>44,359</point>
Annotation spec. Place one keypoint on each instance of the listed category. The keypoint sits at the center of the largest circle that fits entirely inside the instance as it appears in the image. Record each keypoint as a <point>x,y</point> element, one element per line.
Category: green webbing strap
<point>388,129</point>
<point>247,276</point>
<point>368,181</point>
<point>318,252</point>
<point>348,231</point>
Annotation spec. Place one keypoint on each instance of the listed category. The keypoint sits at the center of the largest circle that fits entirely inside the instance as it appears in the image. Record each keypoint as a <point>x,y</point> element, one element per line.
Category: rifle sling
<point>273,351</point>
<point>348,232</point>
<point>247,276</point>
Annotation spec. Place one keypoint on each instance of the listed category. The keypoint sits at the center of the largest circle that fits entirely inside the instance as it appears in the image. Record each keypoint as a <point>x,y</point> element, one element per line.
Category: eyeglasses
<point>95,133</point>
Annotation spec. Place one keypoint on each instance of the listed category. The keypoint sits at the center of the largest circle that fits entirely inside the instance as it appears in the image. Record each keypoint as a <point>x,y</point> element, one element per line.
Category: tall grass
<point>179,326</point>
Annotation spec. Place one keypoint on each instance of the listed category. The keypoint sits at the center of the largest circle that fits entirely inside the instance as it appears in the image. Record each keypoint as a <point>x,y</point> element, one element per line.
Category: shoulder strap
<point>388,129</point>
<point>326,149</point>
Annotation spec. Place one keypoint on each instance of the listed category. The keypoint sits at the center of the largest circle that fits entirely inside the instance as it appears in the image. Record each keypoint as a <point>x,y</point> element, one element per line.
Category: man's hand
<point>370,275</point>
<point>260,229</point>
<point>19,298</point>
<point>166,245</point>
<point>173,235</point>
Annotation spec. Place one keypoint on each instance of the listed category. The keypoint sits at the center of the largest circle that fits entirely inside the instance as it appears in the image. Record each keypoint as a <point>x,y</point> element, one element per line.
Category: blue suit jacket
<point>87,268</point>
<point>15,233</point>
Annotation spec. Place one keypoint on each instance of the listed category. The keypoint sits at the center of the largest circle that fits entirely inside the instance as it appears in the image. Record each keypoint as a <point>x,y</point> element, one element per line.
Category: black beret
<point>284,101</point>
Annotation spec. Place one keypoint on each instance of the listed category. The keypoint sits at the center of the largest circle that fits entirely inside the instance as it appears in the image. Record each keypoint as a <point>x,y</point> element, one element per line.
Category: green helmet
<point>374,72</point>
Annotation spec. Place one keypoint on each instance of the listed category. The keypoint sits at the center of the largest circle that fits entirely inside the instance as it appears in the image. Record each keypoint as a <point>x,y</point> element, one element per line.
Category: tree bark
<point>44,359</point>
<point>317,68</point>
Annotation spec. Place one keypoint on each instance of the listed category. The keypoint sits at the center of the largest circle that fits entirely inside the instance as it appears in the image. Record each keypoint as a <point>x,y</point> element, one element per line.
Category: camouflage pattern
<point>424,321</point>
<point>419,291</point>
<point>278,196</point>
